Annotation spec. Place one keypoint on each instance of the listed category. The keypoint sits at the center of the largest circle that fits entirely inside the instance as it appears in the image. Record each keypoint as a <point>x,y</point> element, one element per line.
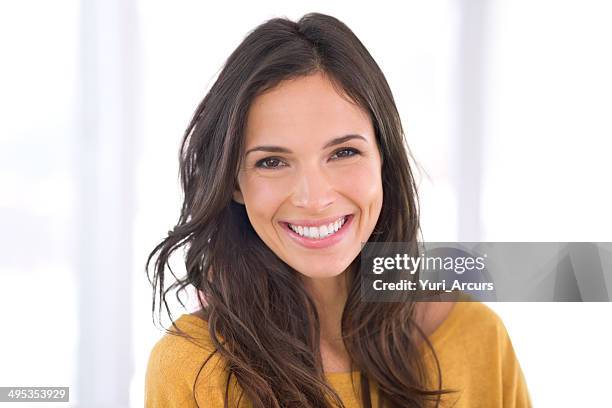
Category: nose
<point>313,191</point>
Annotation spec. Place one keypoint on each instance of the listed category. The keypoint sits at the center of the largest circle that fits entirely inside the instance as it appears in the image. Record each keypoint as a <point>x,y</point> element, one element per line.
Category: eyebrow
<point>280,149</point>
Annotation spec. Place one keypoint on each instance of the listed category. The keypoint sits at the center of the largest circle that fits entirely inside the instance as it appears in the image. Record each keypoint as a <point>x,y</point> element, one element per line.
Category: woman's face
<point>310,178</point>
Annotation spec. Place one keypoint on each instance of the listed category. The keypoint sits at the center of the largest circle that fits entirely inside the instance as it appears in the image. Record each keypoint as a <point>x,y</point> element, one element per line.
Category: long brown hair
<point>261,319</point>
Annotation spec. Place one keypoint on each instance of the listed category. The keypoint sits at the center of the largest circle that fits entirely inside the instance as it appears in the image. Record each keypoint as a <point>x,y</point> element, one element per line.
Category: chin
<point>320,273</point>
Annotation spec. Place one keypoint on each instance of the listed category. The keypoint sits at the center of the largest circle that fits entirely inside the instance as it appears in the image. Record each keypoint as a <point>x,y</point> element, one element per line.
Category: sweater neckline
<point>435,338</point>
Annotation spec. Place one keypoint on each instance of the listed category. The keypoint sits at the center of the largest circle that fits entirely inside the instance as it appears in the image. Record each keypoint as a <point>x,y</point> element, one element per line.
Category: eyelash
<point>259,163</point>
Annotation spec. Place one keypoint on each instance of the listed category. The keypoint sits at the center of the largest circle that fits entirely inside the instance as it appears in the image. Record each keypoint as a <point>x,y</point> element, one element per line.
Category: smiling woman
<point>303,202</point>
<point>295,157</point>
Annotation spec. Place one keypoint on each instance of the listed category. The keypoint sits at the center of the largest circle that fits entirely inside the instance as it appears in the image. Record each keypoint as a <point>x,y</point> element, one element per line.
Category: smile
<point>318,234</point>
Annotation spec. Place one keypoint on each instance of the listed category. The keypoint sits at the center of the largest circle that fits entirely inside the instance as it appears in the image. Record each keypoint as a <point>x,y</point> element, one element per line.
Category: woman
<point>294,158</point>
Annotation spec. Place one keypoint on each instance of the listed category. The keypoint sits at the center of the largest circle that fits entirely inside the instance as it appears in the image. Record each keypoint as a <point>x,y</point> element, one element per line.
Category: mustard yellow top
<point>472,345</point>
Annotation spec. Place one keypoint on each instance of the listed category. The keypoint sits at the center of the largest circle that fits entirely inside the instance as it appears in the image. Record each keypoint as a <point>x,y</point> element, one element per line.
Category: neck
<point>329,296</point>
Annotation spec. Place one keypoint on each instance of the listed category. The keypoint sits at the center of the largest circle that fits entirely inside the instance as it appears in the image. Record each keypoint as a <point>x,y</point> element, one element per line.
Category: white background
<point>506,106</point>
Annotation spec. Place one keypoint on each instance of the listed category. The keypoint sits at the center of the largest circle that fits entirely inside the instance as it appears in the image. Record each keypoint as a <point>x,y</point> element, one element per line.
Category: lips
<point>314,223</point>
<point>318,233</point>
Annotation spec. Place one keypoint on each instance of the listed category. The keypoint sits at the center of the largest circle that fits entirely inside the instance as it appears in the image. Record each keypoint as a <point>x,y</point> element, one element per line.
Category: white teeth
<point>319,232</point>
<point>314,232</point>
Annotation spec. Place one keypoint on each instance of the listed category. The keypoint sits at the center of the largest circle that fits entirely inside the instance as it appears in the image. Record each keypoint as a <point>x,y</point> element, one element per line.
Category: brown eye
<point>269,163</point>
<point>346,152</point>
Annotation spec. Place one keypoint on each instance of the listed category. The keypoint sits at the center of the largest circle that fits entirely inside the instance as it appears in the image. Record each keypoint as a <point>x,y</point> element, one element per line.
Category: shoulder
<point>441,319</point>
<point>178,360</point>
<point>475,352</point>
<point>471,319</point>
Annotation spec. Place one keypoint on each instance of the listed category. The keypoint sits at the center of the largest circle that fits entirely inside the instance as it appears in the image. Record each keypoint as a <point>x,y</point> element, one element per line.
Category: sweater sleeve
<point>167,382</point>
<point>514,387</point>
<point>477,359</point>
<point>187,372</point>
<point>182,370</point>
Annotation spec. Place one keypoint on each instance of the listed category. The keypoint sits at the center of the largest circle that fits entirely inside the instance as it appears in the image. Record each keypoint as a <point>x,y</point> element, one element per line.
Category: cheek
<point>362,183</point>
<point>262,198</point>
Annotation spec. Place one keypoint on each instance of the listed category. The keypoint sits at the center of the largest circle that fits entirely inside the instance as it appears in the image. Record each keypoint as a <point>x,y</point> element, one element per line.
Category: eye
<point>345,152</point>
<point>269,163</point>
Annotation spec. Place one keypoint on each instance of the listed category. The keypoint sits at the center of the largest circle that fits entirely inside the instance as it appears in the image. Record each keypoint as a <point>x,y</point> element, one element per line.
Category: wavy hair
<point>261,319</point>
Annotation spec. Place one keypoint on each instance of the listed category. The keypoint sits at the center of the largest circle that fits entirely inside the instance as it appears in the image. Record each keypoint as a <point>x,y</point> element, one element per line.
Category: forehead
<point>305,107</point>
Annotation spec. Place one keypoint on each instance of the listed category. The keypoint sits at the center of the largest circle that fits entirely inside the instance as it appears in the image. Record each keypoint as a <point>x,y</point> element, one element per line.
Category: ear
<point>237,195</point>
